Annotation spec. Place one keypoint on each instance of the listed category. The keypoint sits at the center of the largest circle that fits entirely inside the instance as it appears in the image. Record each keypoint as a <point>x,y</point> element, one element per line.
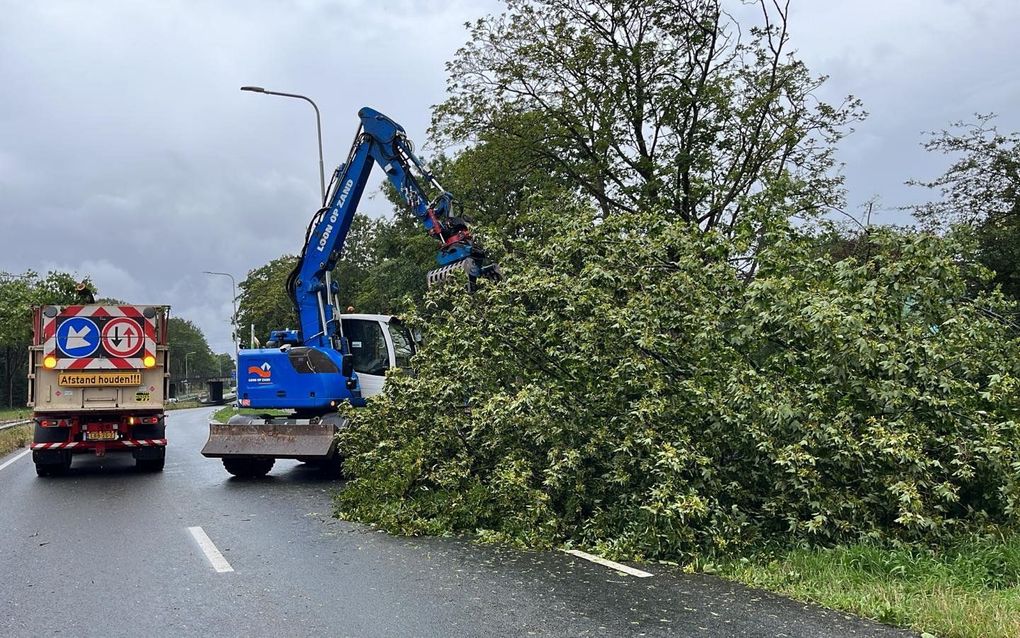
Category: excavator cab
<point>377,343</point>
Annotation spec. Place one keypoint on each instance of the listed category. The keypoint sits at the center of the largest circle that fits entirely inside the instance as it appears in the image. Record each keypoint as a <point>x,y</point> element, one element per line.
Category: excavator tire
<point>248,468</point>
<point>333,467</point>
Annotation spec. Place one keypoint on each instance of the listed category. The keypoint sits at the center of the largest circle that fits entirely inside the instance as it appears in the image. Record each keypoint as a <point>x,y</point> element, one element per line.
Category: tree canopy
<point>652,105</point>
<point>263,301</point>
<point>382,265</point>
<point>979,194</point>
<point>185,337</point>
<point>625,389</point>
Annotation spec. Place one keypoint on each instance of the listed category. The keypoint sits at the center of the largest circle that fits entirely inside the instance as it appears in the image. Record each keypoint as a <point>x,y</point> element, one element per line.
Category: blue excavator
<point>311,370</point>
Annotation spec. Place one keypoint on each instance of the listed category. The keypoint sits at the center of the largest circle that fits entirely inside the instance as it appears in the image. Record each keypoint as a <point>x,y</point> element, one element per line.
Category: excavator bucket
<point>244,436</point>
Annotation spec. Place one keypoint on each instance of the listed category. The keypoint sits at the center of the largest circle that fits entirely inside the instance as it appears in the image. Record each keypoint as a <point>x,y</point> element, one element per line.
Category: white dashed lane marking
<point>623,569</point>
<point>214,556</point>
<point>6,463</point>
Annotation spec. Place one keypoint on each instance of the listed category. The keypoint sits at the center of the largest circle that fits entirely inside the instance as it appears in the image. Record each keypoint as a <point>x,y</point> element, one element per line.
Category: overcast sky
<point>128,154</point>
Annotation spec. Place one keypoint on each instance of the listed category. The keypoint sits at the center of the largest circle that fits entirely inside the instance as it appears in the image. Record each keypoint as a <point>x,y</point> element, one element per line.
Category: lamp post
<point>186,375</point>
<point>233,300</point>
<point>318,128</point>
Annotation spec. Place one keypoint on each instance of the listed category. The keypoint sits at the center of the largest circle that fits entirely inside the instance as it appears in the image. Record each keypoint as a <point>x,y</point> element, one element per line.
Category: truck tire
<point>53,468</point>
<point>153,464</point>
<point>248,468</point>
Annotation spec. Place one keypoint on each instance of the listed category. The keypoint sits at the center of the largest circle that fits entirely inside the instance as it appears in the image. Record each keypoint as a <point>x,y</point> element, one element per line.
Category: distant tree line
<point>18,293</point>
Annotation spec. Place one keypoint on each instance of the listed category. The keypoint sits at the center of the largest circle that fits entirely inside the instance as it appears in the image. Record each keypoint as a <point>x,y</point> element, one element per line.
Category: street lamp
<point>186,375</point>
<point>233,318</point>
<point>318,128</point>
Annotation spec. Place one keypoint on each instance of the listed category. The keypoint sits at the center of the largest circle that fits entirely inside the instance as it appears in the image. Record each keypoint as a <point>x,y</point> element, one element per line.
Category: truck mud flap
<point>307,441</point>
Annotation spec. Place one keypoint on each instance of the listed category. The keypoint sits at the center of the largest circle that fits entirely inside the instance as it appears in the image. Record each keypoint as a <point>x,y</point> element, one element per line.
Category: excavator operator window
<point>403,346</point>
<point>368,346</point>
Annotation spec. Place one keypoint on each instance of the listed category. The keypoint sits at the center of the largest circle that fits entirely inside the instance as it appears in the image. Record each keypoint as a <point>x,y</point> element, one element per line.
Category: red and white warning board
<point>99,337</point>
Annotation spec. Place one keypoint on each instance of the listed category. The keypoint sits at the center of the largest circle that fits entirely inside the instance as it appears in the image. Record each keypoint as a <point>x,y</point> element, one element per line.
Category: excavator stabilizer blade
<point>305,441</point>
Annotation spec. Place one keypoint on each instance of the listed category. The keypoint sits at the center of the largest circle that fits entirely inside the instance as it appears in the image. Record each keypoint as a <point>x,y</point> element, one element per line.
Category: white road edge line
<point>630,571</point>
<point>219,563</point>
<point>14,459</point>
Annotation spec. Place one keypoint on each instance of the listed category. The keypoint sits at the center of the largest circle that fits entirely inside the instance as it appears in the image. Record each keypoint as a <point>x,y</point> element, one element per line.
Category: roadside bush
<point>627,389</point>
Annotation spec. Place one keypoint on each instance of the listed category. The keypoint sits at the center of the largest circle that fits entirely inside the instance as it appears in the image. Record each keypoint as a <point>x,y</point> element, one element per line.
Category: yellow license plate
<point>105,435</point>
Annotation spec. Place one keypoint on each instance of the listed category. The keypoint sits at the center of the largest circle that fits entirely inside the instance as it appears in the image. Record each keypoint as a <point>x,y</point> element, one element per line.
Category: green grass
<point>969,590</point>
<point>182,405</point>
<point>14,438</point>
<point>224,413</point>
<point>14,414</point>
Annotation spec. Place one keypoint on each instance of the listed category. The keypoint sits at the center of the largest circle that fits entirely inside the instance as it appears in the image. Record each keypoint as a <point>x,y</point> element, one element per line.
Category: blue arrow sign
<point>78,337</point>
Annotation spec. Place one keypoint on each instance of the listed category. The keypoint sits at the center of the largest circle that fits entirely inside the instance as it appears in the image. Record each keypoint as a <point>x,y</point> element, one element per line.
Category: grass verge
<point>182,405</point>
<point>969,590</point>
<point>224,413</point>
<point>15,414</point>
<point>14,438</point>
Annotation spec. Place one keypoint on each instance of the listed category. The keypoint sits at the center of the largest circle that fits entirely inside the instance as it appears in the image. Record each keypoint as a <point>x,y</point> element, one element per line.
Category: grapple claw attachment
<point>468,266</point>
<point>449,271</point>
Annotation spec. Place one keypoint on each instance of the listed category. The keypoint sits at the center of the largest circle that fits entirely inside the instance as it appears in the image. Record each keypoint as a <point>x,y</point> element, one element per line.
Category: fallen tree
<point>628,389</point>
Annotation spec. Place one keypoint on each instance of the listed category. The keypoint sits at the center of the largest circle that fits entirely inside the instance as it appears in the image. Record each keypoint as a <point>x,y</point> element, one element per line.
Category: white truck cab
<point>378,343</point>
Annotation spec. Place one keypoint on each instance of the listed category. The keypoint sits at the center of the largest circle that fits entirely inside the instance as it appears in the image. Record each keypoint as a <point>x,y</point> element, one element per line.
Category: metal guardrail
<point>7,426</point>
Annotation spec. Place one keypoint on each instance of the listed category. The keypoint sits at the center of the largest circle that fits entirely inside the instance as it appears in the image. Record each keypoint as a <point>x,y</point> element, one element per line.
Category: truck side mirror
<point>347,365</point>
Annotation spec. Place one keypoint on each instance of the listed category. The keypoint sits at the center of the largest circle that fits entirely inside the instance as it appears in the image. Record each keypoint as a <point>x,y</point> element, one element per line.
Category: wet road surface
<point>107,551</point>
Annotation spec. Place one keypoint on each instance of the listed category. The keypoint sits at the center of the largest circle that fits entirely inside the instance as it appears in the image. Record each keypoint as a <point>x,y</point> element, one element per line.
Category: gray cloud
<point>127,152</point>
<point>917,65</point>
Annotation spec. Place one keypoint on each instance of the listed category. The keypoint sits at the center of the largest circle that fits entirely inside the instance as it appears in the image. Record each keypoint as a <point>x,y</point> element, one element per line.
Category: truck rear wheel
<point>50,467</point>
<point>248,468</point>
<point>154,464</point>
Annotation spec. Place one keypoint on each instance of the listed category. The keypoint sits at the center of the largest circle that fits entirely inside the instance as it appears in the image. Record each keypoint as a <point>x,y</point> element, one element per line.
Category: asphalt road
<point>106,551</point>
